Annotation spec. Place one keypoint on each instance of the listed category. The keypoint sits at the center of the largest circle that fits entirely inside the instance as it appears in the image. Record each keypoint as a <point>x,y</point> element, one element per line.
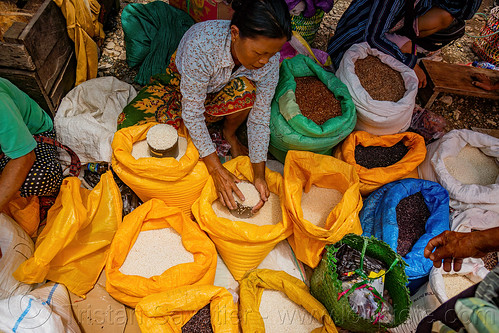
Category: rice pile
<point>154,252</point>
<point>162,136</point>
<point>471,166</point>
<point>269,214</point>
<point>140,149</point>
<point>280,314</point>
<point>455,283</point>
<point>250,193</point>
<point>318,203</point>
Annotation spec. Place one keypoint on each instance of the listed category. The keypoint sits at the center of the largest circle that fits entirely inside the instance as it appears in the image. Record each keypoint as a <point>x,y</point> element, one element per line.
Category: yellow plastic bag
<point>242,245</point>
<point>155,214</point>
<point>250,295</point>
<point>302,170</point>
<point>372,179</point>
<point>177,183</point>
<point>170,310</point>
<point>73,246</point>
<point>25,211</point>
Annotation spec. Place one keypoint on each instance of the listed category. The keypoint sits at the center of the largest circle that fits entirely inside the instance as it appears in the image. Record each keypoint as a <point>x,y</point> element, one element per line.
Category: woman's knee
<point>434,20</point>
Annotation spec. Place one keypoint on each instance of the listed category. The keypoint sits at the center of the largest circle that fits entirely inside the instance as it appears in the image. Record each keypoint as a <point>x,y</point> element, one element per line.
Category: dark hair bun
<point>237,4</point>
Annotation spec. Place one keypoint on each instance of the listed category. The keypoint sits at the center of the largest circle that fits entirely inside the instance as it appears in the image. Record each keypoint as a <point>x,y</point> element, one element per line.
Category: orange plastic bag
<point>250,295</point>
<point>170,310</point>
<point>73,246</point>
<point>177,183</point>
<point>242,245</point>
<point>155,214</point>
<point>26,212</point>
<point>372,179</point>
<point>301,171</point>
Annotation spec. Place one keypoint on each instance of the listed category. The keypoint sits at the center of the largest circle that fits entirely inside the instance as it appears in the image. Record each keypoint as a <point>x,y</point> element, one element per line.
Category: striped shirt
<point>370,20</point>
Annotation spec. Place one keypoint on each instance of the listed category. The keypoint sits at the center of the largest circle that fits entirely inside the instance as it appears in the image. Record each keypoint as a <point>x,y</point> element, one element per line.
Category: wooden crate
<point>39,56</point>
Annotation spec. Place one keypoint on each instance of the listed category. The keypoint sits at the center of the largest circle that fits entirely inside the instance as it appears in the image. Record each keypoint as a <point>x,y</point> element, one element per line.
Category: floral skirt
<point>160,100</point>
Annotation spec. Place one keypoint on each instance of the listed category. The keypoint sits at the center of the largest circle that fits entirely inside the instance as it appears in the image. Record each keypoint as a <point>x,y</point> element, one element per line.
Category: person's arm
<point>452,247</point>
<point>13,176</point>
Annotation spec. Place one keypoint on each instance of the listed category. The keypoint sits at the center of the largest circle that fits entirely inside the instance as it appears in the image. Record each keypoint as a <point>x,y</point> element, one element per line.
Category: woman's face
<point>253,53</point>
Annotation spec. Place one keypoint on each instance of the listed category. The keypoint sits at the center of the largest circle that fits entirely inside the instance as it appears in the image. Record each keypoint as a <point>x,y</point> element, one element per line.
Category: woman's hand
<point>260,185</point>
<point>421,76</point>
<point>224,180</point>
<point>484,82</point>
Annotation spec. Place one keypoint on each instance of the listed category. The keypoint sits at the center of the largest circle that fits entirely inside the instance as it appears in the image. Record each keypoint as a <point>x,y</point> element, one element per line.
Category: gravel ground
<point>460,111</point>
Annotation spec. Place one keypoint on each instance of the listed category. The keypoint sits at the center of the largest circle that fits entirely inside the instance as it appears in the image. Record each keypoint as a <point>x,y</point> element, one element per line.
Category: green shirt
<point>20,119</point>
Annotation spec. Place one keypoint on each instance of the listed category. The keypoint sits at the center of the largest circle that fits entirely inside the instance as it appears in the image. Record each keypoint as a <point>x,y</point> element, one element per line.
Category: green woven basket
<point>307,27</point>
<point>325,285</point>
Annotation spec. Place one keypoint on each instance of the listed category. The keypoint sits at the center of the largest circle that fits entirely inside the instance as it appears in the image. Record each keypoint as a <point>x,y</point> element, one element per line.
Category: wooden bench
<point>453,79</point>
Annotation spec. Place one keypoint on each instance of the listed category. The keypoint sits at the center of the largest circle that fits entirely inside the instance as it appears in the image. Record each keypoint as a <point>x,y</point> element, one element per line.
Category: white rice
<point>141,149</point>
<point>154,252</point>
<point>318,203</point>
<point>162,136</point>
<point>251,195</point>
<point>471,166</point>
<point>280,314</point>
<point>269,214</point>
<point>455,283</point>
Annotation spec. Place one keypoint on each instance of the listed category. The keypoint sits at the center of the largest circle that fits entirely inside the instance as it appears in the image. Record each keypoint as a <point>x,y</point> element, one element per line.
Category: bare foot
<point>236,147</point>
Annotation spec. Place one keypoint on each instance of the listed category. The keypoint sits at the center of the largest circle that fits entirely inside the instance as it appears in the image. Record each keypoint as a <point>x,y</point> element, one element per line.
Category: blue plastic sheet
<point>378,218</point>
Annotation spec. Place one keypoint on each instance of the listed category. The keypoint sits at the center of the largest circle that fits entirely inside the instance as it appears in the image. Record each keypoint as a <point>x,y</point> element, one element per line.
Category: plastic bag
<point>86,118</point>
<point>73,247</point>
<point>378,117</point>
<point>16,246</point>
<point>242,245</point>
<point>289,129</point>
<point>462,196</point>
<point>177,183</point>
<point>372,179</point>
<point>252,287</point>
<point>170,310</point>
<point>151,215</point>
<point>26,212</point>
<point>301,171</point>
<point>379,219</point>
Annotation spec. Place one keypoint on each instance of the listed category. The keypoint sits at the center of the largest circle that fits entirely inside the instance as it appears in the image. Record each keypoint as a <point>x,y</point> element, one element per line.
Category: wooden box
<point>39,56</point>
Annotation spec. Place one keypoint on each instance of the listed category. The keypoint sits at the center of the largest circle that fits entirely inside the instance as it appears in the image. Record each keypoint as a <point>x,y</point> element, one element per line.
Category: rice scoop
<point>162,140</point>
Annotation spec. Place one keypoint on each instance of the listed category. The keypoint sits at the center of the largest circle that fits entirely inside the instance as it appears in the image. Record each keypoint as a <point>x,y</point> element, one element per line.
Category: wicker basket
<point>325,285</point>
<point>307,27</point>
<point>486,45</point>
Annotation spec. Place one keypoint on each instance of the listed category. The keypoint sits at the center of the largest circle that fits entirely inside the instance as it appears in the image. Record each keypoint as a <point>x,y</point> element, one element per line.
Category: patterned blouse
<point>205,63</point>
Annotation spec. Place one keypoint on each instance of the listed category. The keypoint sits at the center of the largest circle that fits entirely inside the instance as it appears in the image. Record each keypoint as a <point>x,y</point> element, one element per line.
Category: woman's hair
<point>268,18</point>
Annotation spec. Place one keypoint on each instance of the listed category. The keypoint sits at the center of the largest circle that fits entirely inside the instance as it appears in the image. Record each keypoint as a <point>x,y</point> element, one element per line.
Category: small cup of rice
<point>162,140</point>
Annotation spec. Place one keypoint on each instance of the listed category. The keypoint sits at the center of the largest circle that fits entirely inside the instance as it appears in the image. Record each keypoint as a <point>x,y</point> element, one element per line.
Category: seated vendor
<point>25,164</point>
<point>222,70</point>
<point>387,26</point>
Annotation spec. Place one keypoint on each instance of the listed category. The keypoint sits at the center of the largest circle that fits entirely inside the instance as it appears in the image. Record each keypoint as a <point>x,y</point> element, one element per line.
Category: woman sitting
<point>222,70</point>
<point>26,163</point>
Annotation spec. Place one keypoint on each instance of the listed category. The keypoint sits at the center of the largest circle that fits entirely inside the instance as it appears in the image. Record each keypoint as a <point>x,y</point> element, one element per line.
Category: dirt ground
<point>459,111</point>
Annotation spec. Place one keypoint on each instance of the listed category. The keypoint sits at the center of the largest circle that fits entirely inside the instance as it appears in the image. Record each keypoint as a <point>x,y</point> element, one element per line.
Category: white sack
<point>461,196</point>
<point>378,117</point>
<point>16,247</point>
<point>86,119</point>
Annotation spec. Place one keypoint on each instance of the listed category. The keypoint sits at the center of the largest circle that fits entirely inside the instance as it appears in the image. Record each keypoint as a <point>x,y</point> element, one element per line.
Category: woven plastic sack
<point>487,44</point>
<point>307,27</point>
<point>25,211</point>
<point>177,183</point>
<point>73,247</point>
<point>251,290</point>
<point>378,117</point>
<point>16,246</point>
<point>289,129</point>
<point>170,310</point>
<point>462,196</point>
<point>242,245</point>
<point>155,214</point>
<point>325,285</point>
<point>379,219</point>
<point>372,179</point>
<point>301,171</point>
